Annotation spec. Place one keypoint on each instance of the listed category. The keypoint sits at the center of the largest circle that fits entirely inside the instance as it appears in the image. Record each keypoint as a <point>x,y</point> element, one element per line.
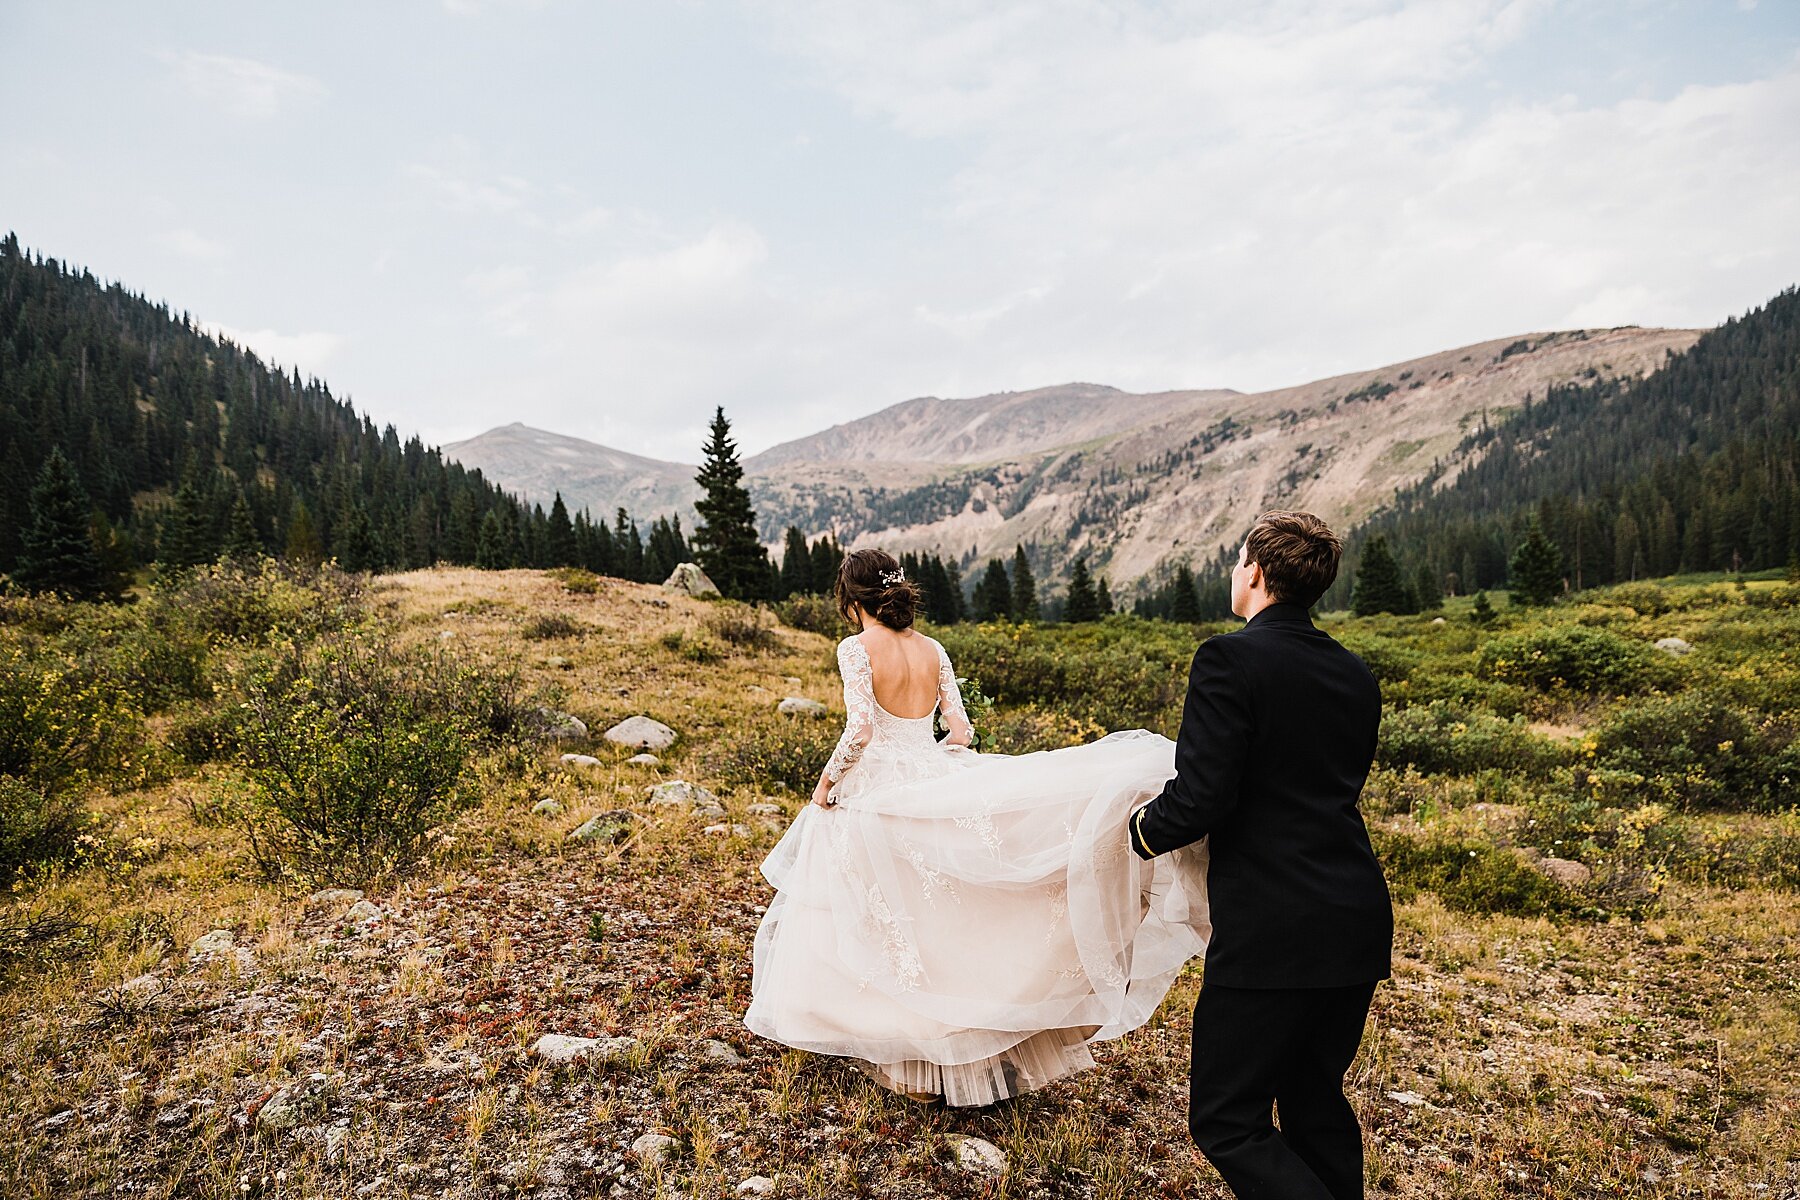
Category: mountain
<point>537,464</point>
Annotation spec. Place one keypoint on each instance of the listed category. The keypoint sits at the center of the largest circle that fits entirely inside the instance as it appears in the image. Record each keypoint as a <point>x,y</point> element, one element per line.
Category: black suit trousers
<point>1286,1049</point>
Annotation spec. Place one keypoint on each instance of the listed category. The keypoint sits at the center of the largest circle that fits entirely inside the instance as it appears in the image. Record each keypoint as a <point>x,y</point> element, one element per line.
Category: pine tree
<point>1024,588</point>
<point>628,548</point>
<point>1083,604</point>
<point>1536,569</point>
<point>357,548</point>
<point>490,543</point>
<point>303,545</point>
<point>1184,603</point>
<point>241,541</point>
<point>1378,585</point>
<point>827,557</point>
<point>187,535</point>
<point>725,541</point>
<point>559,536</point>
<point>1428,595</point>
<point>118,561</point>
<point>1103,598</point>
<point>58,552</point>
<point>993,595</point>
<point>1483,612</point>
<point>796,564</point>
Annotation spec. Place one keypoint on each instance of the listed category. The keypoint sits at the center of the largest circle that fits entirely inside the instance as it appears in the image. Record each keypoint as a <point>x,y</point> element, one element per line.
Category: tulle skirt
<point>966,925</point>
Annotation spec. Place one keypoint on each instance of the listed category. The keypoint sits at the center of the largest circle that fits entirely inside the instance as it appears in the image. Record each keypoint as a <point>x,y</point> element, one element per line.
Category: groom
<point>1277,736</point>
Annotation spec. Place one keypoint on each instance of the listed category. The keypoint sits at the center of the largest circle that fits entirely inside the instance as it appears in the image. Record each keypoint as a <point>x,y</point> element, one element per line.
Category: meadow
<point>293,897</point>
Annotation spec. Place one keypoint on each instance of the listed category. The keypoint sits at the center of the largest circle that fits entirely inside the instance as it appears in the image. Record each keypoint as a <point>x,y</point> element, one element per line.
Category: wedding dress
<point>966,924</point>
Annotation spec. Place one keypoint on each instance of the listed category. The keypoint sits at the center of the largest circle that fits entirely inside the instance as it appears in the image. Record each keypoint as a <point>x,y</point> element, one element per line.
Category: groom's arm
<point>1210,752</point>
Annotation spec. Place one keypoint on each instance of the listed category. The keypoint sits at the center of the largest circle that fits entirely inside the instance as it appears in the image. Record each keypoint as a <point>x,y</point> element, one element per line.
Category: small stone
<point>643,760</point>
<point>791,680</point>
<point>613,826</point>
<point>1674,646</point>
<point>580,760</point>
<point>333,897</point>
<point>679,792</point>
<point>142,987</point>
<point>757,1185</point>
<point>295,1103</point>
<point>335,1140</point>
<point>690,580</point>
<point>445,635</point>
<point>556,726</point>
<point>557,1048</point>
<point>653,1148</point>
<point>219,941</point>
<point>549,806</point>
<point>1437,620</point>
<point>800,706</point>
<point>1409,1099</point>
<point>58,1120</point>
<point>1565,871</point>
<point>977,1154</point>
<point>721,830</point>
<point>720,1053</point>
<point>762,808</point>
<point>557,662</point>
<point>642,733</point>
<point>364,910</point>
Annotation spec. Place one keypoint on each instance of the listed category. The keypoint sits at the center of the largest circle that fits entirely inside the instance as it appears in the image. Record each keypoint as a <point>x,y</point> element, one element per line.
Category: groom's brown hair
<point>1298,554</point>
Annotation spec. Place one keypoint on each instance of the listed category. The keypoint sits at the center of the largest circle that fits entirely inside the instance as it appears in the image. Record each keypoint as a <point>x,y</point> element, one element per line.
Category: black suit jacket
<point>1277,737</point>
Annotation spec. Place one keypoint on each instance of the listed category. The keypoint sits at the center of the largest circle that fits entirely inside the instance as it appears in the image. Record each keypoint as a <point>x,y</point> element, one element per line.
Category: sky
<point>606,218</point>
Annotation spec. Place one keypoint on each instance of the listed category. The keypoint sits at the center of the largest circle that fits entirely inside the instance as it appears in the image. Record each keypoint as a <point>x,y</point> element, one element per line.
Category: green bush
<point>1442,738</point>
<point>35,829</point>
<point>1576,658</point>
<point>249,602</point>
<point>1469,876</point>
<point>1391,662</point>
<point>550,626</point>
<point>769,752</point>
<point>355,751</point>
<point>814,614</point>
<point>1696,750</point>
<point>58,722</point>
<point>747,626</point>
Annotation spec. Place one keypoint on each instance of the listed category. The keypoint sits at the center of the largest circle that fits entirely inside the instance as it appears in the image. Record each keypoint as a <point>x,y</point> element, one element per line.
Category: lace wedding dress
<point>966,924</point>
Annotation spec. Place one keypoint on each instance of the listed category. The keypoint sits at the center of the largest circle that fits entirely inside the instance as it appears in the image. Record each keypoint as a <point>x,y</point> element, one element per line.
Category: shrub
<point>149,652</point>
<point>549,626</point>
<point>1468,876</point>
<point>582,583</point>
<point>750,627</point>
<point>766,752</point>
<point>1390,661</point>
<point>1576,658</point>
<point>1442,738</point>
<point>248,602</point>
<point>814,614</point>
<point>355,752</point>
<point>58,722</point>
<point>35,829</point>
<point>1696,750</point>
<point>695,647</point>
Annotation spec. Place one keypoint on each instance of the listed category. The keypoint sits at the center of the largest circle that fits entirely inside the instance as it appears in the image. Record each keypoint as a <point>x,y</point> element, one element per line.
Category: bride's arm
<point>859,720</point>
<point>950,703</point>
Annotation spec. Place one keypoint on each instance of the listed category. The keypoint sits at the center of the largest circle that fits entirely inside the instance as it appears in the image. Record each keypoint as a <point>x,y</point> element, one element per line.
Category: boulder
<point>1565,871</point>
<point>652,1148</point>
<point>762,808</point>
<point>298,1103</point>
<point>609,827</point>
<point>580,760</point>
<point>642,760</point>
<point>977,1154</point>
<point>800,706</point>
<point>690,580</point>
<point>681,793</point>
<point>549,806</point>
<point>1674,646</point>
<point>364,910</point>
<point>557,1048</point>
<point>555,726</point>
<point>219,941</point>
<point>1437,620</point>
<point>641,733</point>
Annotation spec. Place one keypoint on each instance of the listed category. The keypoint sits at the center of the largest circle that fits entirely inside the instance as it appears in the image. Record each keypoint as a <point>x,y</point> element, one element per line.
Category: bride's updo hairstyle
<point>873,580</point>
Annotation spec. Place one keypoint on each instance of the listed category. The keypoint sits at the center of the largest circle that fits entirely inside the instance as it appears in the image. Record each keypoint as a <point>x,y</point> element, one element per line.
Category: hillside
<point>537,464</point>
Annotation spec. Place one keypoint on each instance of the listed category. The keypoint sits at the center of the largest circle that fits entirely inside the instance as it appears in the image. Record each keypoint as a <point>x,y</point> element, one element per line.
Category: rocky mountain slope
<point>1137,482</point>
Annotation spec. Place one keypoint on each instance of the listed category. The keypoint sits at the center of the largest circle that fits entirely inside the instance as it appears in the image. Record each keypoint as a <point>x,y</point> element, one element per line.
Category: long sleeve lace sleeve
<point>950,702</point>
<point>859,706</point>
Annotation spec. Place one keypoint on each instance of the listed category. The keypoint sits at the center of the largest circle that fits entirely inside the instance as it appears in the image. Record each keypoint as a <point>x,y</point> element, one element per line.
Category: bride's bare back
<point>904,665</point>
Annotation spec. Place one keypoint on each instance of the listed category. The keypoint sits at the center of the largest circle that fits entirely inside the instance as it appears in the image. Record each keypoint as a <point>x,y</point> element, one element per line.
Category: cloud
<point>307,352</point>
<point>241,87</point>
<point>470,195</point>
<point>196,246</point>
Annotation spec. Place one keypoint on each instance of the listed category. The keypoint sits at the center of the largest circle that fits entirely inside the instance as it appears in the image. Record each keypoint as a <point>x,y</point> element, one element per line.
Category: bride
<point>964,925</point>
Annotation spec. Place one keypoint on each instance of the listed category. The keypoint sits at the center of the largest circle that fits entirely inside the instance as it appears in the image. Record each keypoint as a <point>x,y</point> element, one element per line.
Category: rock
<point>445,635</point>
<point>643,760</point>
<point>612,826</point>
<point>642,733</point>
<point>720,1053</point>
<point>653,1148</point>
<point>580,760</point>
<point>791,680</point>
<point>977,1154</point>
<point>681,793</point>
<point>557,662</point>
<point>58,1120</point>
<point>757,1185</point>
<point>364,910</point>
<point>1409,1099</point>
<point>556,1048</point>
<point>335,1139</point>
<point>690,580</point>
<point>1565,871</point>
<point>142,988</point>
<point>800,706</point>
<point>297,1103</point>
<point>333,897</point>
<point>722,830</point>
<point>219,941</point>
<point>555,726</point>
<point>1437,620</point>
<point>762,808</point>
<point>1674,646</point>
<point>549,806</point>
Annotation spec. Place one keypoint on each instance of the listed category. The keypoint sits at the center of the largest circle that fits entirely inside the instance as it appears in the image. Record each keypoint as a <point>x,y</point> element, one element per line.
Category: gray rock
<point>612,826</point>
<point>680,793</point>
<point>977,1154</point>
<point>757,1185</point>
<point>643,760</point>
<point>445,635</point>
<point>1410,1099</point>
<point>580,760</point>
<point>219,941</point>
<point>364,910</point>
<point>642,733</point>
<point>721,830</point>
<point>142,988</point>
<point>800,706</point>
<point>335,1140</point>
<point>1674,646</point>
<point>555,726</point>
<point>762,808</point>
<point>1565,871</point>
<point>556,1048</point>
<point>1437,620</point>
<point>298,1103</point>
<point>333,897</point>
<point>549,806</point>
<point>652,1148</point>
<point>690,580</point>
<point>557,662</point>
<point>720,1053</point>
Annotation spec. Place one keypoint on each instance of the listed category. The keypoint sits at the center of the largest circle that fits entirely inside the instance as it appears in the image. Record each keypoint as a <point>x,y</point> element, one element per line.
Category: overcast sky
<point>605,218</point>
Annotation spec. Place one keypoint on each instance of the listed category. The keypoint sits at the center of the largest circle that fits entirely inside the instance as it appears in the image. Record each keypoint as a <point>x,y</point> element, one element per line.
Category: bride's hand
<point>822,794</point>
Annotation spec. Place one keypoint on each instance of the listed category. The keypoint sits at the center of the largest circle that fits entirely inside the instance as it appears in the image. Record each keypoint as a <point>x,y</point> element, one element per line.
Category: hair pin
<point>893,578</point>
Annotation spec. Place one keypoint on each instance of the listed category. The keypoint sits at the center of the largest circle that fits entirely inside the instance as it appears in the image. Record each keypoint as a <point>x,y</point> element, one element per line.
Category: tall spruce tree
<point>1024,588</point>
<point>241,540</point>
<point>1535,572</point>
<point>1379,587</point>
<point>796,564</point>
<point>58,553</point>
<point>1426,592</point>
<point>725,540</point>
<point>1083,604</point>
<point>1184,603</point>
<point>1103,597</point>
<point>993,595</point>
<point>303,545</point>
<point>187,538</point>
<point>491,552</point>
<point>559,536</point>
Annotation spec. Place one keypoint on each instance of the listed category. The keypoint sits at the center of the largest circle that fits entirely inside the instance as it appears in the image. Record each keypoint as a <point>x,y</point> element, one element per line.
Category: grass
<point>1550,1057</point>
